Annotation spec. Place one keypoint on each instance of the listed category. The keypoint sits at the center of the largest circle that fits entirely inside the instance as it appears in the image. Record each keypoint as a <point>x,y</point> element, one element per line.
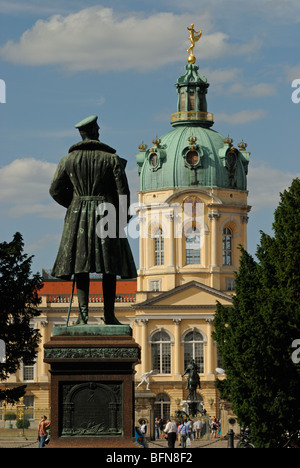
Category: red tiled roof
<point>65,287</point>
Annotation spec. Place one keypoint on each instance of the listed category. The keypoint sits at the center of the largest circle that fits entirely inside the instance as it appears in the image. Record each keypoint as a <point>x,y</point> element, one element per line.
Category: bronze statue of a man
<point>92,175</point>
<point>193,380</point>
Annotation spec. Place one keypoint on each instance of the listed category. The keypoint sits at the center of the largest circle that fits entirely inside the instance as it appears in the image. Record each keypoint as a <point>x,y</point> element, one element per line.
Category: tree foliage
<point>18,305</point>
<point>255,335</point>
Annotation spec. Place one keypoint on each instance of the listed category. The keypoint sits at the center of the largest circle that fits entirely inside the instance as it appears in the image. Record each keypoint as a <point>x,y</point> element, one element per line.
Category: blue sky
<point>64,60</point>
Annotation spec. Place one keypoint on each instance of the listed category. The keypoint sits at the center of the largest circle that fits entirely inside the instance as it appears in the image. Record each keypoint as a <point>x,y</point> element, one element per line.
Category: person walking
<point>143,430</point>
<point>184,432</point>
<point>42,431</point>
<point>171,431</point>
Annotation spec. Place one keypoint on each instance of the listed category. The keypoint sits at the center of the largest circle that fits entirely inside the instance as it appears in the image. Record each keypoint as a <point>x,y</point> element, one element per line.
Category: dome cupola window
<point>192,154</point>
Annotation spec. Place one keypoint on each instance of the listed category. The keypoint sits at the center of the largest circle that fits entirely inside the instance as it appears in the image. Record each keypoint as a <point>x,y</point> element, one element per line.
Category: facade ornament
<point>242,145</point>
<point>142,146</point>
<point>177,321</point>
<point>214,216</point>
<point>145,379</point>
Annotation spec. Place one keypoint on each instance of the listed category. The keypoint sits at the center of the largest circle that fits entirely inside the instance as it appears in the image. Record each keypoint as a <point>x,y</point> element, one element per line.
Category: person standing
<point>198,427</point>
<point>42,431</point>
<point>171,431</point>
<point>183,431</point>
<point>156,428</point>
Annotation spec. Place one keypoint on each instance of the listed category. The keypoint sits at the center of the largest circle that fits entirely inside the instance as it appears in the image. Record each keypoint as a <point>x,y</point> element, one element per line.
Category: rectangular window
<point>29,406</point>
<point>161,357</point>
<point>159,248</point>
<point>192,101</point>
<point>230,284</point>
<point>28,373</point>
<point>192,247</point>
<point>227,247</point>
<point>154,285</point>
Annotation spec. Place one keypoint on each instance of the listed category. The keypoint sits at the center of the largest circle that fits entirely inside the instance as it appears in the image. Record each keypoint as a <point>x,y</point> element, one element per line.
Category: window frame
<point>164,351</point>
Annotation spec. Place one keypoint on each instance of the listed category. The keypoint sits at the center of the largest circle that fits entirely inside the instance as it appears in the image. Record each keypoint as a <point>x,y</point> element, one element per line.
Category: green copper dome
<point>192,154</point>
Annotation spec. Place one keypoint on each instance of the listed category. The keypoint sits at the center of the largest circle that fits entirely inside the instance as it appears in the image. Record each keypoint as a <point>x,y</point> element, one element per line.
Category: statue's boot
<point>109,283</point>
<point>83,283</point>
<point>83,316</point>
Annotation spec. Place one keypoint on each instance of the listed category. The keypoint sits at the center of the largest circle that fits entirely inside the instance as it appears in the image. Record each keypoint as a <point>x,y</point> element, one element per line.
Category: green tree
<point>18,305</point>
<point>255,335</point>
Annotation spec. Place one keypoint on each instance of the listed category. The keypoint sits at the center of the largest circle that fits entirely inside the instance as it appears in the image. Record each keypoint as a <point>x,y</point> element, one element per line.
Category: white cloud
<point>265,184</point>
<point>45,242</point>
<point>24,189</point>
<point>258,90</point>
<point>98,38</point>
<point>242,117</point>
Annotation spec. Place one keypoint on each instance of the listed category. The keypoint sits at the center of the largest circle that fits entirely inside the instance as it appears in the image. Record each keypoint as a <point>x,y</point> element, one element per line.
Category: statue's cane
<point>71,300</point>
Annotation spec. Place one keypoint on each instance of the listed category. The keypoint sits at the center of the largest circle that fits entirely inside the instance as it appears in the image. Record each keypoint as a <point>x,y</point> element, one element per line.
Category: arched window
<point>194,349</point>
<point>192,246</point>
<point>162,407</point>
<point>227,246</point>
<point>161,352</point>
<point>159,247</point>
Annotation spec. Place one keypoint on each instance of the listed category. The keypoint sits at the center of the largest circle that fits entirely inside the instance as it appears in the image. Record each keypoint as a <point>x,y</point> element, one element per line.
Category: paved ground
<point>213,443</point>
<point>20,442</point>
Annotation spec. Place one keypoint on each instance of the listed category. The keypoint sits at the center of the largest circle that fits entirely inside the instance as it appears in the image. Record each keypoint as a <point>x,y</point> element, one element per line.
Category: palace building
<point>193,215</point>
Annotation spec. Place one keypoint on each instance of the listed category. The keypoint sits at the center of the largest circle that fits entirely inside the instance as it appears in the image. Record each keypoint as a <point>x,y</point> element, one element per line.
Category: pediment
<point>192,294</point>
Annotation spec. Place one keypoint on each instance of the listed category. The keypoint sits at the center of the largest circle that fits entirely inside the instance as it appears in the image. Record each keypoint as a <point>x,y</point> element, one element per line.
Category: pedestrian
<point>184,432</point>
<point>156,428</point>
<point>161,428</point>
<point>214,428</point>
<point>198,427</point>
<point>190,428</point>
<point>143,430</point>
<point>42,431</point>
<point>219,428</point>
<point>171,431</point>
<point>195,429</point>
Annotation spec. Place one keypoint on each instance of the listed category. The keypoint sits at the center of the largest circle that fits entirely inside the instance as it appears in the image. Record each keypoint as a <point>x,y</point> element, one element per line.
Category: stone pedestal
<point>144,410</point>
<point>92,386</point>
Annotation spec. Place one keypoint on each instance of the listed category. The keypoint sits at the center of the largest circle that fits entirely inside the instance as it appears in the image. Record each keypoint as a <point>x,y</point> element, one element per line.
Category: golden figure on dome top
<point>193,39</point>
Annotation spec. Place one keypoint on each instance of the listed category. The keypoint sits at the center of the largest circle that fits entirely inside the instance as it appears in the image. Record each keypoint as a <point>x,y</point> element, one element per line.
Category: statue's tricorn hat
<point>86,122</point>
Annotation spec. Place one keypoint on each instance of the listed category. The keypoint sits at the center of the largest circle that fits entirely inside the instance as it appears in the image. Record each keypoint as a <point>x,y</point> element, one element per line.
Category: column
<point>177,353</point>
<point>214,217</point>
<point>138,339</point>
<point>144,345</point>
<point>43,374</point>
<point>210,349</point>
<point>171,240</point>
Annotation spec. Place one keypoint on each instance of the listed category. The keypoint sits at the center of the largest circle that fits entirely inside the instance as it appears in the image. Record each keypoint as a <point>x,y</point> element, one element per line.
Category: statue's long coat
<point>91,174</point>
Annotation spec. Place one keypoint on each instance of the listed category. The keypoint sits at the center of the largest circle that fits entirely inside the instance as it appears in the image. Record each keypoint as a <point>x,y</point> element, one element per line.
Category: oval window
<point>153,160</point>
<point>192,158</point>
